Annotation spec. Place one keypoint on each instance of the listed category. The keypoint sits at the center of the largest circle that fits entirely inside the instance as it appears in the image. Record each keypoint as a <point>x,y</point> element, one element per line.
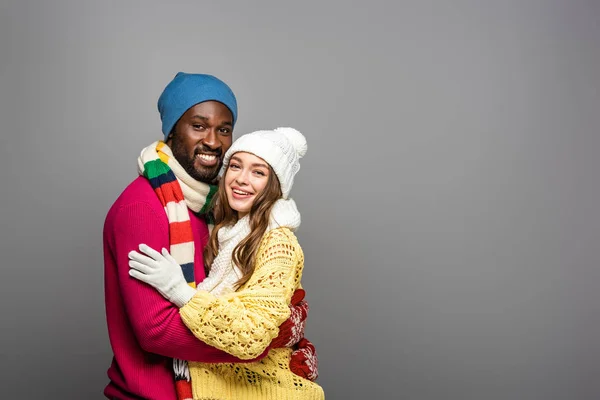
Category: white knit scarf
<point>223,272</point>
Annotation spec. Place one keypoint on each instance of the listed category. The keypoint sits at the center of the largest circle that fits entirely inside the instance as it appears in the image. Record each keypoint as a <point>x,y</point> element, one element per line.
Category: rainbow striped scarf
<point>177,192</point>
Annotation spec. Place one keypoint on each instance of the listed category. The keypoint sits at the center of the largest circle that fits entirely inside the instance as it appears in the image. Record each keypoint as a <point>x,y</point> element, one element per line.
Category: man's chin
<point>206,175</point>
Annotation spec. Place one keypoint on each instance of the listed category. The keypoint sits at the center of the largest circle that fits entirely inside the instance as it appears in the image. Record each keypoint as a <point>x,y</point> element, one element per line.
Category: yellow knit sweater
<point>244,323</point>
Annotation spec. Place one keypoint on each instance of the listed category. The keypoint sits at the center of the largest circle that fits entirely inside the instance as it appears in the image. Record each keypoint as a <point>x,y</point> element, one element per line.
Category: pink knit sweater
<point>145,330</point>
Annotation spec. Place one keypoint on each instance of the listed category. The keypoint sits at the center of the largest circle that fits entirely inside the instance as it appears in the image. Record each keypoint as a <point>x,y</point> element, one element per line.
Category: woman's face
<point>245,178</point>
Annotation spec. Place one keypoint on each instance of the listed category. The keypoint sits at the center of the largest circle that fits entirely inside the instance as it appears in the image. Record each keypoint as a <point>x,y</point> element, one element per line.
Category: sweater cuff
<point>201,300</point>
<point>182,296</point>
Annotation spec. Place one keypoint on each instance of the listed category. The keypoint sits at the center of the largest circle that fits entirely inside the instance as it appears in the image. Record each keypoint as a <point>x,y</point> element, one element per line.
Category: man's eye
<point>224,131</point>
<point>196,126</point>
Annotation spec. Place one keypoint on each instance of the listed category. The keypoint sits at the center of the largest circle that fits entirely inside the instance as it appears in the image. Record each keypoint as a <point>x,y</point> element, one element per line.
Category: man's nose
<point>211,140</point>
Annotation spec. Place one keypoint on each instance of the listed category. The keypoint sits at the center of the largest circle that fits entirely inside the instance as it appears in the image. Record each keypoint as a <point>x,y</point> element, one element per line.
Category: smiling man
<point>165,207</point>
<point>200,138</point>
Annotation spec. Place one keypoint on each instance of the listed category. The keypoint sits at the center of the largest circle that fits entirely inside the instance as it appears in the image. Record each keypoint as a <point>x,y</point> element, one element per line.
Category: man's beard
<point>203,174</point>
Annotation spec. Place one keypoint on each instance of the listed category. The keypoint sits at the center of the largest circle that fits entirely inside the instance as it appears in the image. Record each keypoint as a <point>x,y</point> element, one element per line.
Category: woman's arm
<point>245,322</point>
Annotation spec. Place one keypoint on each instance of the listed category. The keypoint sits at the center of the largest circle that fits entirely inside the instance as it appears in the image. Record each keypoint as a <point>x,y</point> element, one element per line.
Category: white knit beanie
<point>281,148</point>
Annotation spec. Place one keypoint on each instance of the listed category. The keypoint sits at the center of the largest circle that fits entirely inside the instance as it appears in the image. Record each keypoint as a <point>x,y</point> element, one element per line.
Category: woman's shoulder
<point>280,250</point>
<point>282,233</point>
<point>283,238</point>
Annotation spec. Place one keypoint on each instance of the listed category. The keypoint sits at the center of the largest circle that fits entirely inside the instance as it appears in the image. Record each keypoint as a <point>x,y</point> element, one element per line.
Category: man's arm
<point>155,321</point>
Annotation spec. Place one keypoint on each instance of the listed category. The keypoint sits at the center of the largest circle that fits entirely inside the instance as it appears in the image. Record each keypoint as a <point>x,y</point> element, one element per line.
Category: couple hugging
<point>202,268</point>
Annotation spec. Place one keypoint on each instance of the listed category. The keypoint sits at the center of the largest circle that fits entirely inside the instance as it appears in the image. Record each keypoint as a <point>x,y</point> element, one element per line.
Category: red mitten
<point>298,296</point>
<point>292,330</point>
<point>304,361</point>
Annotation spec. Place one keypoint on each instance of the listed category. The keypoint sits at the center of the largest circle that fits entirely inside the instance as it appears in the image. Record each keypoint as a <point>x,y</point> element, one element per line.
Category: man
<point>198,114</point>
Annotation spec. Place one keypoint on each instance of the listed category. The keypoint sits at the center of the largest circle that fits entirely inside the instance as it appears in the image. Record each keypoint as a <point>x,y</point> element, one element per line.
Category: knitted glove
<point>297,296</point>
<point>292,330</point>
<point>304,361</point>
<point>162,272</point>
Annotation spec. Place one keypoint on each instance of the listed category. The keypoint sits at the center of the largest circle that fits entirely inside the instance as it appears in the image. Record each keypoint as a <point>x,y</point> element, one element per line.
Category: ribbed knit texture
<point>245,322</point>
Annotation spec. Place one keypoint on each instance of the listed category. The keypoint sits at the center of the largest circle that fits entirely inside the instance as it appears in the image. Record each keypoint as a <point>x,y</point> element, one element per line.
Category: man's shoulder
<point>138,194</point>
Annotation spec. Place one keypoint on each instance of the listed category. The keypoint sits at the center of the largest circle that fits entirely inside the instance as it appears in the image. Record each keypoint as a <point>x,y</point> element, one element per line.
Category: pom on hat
<point>296,138</point>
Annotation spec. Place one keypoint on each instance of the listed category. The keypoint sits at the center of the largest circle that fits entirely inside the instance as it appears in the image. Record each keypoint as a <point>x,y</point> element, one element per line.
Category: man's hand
<point>162,272</point>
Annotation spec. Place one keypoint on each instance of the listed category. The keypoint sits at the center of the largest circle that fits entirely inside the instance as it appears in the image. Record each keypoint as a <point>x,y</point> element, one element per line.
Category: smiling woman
<point>246,177</point>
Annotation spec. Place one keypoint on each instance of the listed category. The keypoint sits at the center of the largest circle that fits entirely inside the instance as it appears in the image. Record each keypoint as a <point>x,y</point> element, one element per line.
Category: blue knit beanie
<point>187,90</point>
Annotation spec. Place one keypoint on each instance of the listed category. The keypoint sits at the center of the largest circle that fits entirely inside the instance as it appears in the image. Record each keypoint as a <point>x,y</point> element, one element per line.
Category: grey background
<point>449,196</point>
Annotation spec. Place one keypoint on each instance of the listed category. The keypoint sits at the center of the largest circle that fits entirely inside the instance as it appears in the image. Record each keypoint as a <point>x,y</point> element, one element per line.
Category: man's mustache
<point>208,151</point>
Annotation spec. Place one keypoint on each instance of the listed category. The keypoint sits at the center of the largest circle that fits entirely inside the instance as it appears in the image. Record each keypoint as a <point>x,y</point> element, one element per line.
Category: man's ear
<point>169,138</point>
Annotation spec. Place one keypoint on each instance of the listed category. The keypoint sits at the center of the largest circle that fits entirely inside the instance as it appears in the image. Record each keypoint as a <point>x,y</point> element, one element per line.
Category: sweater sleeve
<point>244,323</point>
<point>155,321</point>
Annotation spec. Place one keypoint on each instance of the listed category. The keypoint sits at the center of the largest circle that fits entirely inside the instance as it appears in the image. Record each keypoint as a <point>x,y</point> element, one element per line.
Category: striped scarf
<point>177,192</point>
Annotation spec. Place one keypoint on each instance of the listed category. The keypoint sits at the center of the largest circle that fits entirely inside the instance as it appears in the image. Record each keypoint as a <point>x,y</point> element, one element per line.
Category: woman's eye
<point>260,173</point>
<point>234,166</point>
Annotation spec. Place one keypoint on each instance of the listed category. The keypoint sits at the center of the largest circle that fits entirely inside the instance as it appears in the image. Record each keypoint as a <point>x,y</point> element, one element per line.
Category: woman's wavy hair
<point>244,254</point>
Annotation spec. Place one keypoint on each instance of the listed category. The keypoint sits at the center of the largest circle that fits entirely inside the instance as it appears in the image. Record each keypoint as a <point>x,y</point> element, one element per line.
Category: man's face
<point>200,139</point>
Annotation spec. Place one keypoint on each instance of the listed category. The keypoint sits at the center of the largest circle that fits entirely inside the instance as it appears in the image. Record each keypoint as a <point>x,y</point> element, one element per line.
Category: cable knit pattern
<point>245,322</point>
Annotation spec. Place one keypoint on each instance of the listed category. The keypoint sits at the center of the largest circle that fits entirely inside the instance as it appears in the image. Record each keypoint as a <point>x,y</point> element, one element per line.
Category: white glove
<point>162,272</point>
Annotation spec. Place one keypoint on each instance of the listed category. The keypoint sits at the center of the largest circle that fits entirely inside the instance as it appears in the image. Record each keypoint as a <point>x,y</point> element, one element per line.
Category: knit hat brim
<point>187,90</point>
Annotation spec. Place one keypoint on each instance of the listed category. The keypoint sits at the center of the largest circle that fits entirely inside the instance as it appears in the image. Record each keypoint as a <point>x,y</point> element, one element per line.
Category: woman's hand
<point>162,272</point>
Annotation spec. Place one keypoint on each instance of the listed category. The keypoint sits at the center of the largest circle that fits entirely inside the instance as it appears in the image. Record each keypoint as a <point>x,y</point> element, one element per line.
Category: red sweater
<point>145,329</point>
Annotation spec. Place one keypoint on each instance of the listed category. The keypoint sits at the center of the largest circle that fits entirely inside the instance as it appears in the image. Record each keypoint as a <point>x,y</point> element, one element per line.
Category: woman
<point>254,263</point>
